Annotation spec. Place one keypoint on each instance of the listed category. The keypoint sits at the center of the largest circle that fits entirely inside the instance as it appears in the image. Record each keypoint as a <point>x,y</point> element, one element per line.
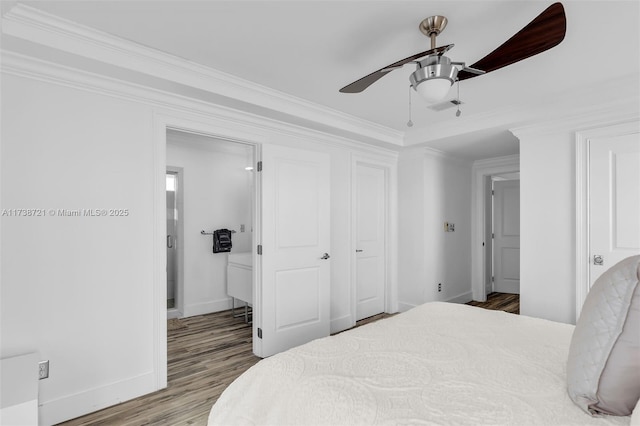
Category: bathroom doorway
<point>213,185</point>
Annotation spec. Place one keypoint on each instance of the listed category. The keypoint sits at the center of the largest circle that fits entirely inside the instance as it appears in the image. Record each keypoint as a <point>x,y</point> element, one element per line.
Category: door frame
<point>390,233</point>
<point>582,242</point>
<point>179,298</point>
<point>197,125</point>
<point>481,169</point>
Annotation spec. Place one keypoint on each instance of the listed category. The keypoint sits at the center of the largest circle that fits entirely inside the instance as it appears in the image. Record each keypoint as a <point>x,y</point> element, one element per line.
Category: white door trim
<point>582,259</point>
<point>161,123</point>
<point>481,169</point>
<point>391,261</point>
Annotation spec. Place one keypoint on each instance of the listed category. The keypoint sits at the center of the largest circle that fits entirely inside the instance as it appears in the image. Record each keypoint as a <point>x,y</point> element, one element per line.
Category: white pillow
<point>603,368</point>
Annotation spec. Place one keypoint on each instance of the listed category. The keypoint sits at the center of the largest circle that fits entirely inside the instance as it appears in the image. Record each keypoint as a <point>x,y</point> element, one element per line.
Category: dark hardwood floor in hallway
<point>500,302</point>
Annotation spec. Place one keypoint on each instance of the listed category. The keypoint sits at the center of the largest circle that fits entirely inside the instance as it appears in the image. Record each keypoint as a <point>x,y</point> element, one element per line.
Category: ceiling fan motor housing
<point>431,67</point>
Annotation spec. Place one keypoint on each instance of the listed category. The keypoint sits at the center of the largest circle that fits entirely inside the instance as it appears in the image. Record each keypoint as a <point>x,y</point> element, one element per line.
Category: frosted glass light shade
<point>434,89</point>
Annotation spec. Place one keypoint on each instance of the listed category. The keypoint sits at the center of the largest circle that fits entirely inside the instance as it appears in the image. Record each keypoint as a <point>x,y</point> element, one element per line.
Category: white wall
<point>547,226</point>
<point>81,290</point>
<point>548,207</point>
<point>78,290</point>
<point>217,194</point>
<point>433,189</point>
<point>411,226</point>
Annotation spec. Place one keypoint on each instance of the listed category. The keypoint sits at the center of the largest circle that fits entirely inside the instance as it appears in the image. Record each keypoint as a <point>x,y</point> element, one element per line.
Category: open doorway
<point>210,192</point>
<point>482,220</point>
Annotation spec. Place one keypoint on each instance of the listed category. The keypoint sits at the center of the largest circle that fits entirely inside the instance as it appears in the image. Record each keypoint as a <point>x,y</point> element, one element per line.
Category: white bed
<point>437,364</point>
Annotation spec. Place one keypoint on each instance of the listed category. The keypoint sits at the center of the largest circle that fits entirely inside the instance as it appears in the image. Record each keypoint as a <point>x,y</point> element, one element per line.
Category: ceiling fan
<point>436,73</point>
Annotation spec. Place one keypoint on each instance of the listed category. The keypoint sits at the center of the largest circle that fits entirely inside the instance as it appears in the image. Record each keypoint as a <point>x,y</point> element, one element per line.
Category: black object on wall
<point>222,240</point>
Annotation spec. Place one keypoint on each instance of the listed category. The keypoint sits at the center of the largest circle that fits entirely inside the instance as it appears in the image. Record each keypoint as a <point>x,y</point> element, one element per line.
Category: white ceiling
<point>310,49</point>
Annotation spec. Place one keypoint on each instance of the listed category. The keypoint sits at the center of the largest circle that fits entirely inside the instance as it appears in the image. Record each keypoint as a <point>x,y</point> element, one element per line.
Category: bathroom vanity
<point>240,280</point>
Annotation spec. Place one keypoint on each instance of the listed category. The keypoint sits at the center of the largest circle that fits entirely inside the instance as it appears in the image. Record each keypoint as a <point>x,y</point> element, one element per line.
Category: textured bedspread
<point>437,364</point>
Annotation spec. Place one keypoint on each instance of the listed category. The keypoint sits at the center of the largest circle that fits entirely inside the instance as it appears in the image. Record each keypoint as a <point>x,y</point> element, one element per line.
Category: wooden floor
<point>205,354</point>
<point>500,302</point>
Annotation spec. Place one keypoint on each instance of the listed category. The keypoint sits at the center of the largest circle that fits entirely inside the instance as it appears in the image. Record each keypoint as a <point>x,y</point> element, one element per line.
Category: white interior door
<point>506,243</point>
<point>370,217</point>
<point>614,201</point>
<point>294,296</point>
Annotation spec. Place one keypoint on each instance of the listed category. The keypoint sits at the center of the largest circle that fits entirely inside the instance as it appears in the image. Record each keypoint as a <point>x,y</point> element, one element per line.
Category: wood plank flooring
<point>500,302</point>
<point>205,354</point>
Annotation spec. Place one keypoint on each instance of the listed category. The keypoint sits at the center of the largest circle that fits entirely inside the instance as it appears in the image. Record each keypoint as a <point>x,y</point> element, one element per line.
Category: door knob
<point>325,256</point>
<point>598,259</point>
<point>169,242</point>
<point>358,251</point>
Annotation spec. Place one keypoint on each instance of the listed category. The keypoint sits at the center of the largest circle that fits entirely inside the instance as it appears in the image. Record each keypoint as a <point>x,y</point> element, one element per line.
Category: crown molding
<point>583,119</point>
<point>445,156</point>
<point>490,163</point>
<point>24,66</point>
<point>36,26</point>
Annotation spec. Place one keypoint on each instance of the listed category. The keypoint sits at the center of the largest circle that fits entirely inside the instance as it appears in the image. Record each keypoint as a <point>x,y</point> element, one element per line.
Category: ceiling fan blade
<point>366,81</point>
<point>473,71</point>
<point>543,33</point>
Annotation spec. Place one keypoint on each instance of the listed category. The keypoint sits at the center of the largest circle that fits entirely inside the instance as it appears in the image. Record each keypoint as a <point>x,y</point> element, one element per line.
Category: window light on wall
<point>171,182</point>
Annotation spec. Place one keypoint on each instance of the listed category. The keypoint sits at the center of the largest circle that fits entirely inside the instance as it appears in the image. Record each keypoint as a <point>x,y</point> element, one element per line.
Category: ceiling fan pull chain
<point>458,112</point>
<point>409,123</point>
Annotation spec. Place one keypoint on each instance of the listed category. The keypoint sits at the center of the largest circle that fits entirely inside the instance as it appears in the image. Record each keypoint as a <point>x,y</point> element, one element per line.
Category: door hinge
<point>493,279</point>
<point>260,249</point>
<point>493,235</point>
<point>493,192</point>
<point>259,166</point>
<point>259,333</point>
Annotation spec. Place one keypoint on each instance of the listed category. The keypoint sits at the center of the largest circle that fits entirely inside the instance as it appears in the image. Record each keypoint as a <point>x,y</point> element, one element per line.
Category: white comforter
<point>437,364</point>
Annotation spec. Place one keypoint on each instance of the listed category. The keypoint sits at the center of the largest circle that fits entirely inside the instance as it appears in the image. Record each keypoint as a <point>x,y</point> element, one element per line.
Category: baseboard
<point>461,298</point>
<point>207,307</point>
<point>341,324</point>
<point>402,306</point>
<point>91,400</point>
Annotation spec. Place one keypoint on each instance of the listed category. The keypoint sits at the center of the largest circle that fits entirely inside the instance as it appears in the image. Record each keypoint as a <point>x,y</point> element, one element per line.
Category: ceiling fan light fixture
<point>433,78</point>
<point>434,90</point>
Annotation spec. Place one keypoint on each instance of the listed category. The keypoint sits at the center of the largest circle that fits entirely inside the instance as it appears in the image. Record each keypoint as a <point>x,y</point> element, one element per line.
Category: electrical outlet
<point>43,369</point>
<point>439,287</point>
<point>446,227</point>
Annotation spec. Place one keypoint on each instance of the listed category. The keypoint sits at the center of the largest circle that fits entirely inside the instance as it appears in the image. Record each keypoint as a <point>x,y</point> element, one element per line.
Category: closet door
<point>614,196</point>
<point>370,217</point>
<point>294,292</point>
<point>506,243</point>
